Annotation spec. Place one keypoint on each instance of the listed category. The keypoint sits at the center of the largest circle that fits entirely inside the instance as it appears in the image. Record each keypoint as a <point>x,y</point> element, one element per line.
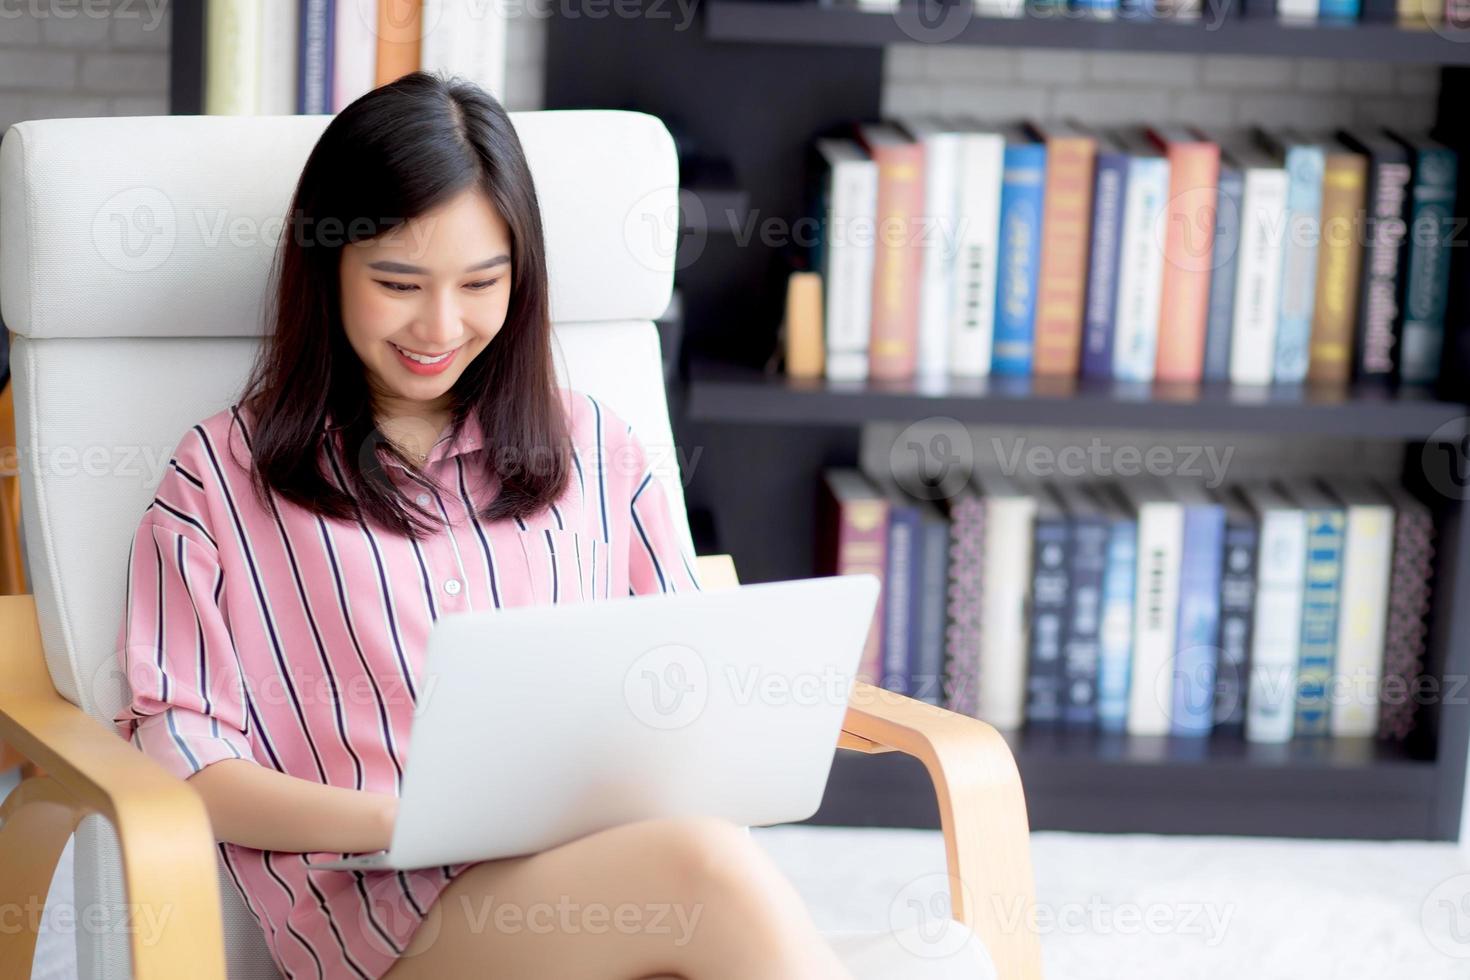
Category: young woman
<point>402,452</point>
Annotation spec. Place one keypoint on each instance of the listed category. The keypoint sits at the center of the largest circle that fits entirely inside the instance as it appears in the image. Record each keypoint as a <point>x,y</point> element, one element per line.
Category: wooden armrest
<point>982,808</point>
<point>168,849</point>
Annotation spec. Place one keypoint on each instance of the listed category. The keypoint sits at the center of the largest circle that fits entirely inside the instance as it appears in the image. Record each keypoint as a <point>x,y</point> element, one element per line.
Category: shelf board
<point>808,22</point>
<point>727,393</point>
<point>1087,782</point>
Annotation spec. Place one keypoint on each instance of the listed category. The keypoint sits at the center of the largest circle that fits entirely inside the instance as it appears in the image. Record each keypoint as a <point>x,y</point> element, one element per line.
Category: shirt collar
<point>470,438</point>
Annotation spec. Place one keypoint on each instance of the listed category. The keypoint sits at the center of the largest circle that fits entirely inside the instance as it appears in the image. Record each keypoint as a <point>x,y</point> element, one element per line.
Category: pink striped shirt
<point>295,641</point>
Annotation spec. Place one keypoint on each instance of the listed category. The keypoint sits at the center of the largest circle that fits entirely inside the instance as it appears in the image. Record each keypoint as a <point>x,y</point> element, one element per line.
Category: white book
<point>280,24</point>
<point>232,58</point>
<point>935,239</point>
<point>466,39</point>
<point>1297,10</point>
<point>1155,605</point>
<point>847,256</point>
<point>354,51</point>
<point>1141,263</point>
<point>1258,272</point>
<point>972,304</point>
<point>1010,516</point>
<point>1000,8</point>
<point>1277,626</point>
<point>1367,560</point>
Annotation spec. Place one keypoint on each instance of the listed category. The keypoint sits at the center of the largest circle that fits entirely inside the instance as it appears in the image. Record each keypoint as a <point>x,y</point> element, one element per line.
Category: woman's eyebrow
<point>386,265</point>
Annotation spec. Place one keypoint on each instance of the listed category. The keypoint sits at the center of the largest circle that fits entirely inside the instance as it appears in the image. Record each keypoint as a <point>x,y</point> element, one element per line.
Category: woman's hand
<point>387,815</point>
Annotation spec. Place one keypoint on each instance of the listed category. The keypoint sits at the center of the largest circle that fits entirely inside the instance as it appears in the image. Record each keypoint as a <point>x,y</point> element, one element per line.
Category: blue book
<point>1304,162</point>
<point>900,569</point>
<point>1196,647</point>
<point>1115,647</point>
<point>317,33</point>
<point>1019,259</point>
<point>1338,9</point>
<point>1237,609</point>
<point>926,662</point>
<point>1081,649</point>
<point>1426,281</point>
<point>1051,566</point>
<point>1109,187</point>
<point>1221,316</point>
<point>1321,595</point>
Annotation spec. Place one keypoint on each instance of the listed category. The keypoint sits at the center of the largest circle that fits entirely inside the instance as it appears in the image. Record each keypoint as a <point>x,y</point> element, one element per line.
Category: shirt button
<point>452,586</point>
<point>422,500</point>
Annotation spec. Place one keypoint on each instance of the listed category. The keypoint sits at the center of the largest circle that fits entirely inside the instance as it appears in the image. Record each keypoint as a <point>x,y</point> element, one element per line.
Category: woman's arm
<point>260,807</point>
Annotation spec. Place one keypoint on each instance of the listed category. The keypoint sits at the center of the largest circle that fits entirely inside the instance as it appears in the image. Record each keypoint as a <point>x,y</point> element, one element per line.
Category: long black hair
<point>392,155</point>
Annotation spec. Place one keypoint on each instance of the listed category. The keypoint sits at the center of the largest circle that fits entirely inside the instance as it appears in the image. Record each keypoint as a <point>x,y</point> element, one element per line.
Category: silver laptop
<point>541,724</point>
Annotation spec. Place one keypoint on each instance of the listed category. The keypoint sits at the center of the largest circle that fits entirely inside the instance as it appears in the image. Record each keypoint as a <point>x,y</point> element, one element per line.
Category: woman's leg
<point>688,897</point>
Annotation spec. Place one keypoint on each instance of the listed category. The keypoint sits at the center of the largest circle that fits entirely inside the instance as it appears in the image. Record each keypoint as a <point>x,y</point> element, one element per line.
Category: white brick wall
<point>1112,89</point>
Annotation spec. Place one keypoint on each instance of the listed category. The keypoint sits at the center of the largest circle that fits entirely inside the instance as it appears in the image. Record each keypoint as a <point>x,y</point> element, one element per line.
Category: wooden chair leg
<point>38,817</point>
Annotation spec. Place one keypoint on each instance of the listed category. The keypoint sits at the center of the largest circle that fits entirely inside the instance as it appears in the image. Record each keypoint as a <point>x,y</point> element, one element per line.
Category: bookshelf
<point>747,84</point>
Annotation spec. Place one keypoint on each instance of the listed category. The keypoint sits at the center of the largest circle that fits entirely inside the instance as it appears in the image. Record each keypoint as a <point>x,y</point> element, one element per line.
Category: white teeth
<point>421,358</point>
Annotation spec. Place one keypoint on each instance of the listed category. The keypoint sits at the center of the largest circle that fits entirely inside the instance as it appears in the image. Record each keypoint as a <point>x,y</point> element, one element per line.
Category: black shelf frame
<point>847,25</point>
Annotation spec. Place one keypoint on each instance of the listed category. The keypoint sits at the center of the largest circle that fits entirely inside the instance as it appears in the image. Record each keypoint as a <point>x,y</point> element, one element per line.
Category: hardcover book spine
<point>1258,277</point>
<point>1194,170</point>
<point>901,579</point>
<point>1155,617</point>
<point>926,673</point>
<point>972,307</point>
<point>1237,604</point>
<point>1319,620</point>
<point>1116,648</point>
<point>1338,259</point>
<point>893,344</point>
<point>232,58</point>
<point>1084,621</point>
<point>399,29</point>
<point>1427,287</point>
<point>1102,277</point>
<point>1378,298</point>
<point>1338,9</point>
<point>1020,259</point>
<point>314,95</point>
<point>856,542</point>
<point>1196,650</point>
<point>1049,591</point>
<point>1141,275</point>
<point>934,236</point>
<point>1271,704</point>
<point>1004,641</point>
<point>1226,253</point>
<point>965,595</point>
<point>1409,595</point>
<point>848,258</point>
<point>1366,561</point>
<point>279,58</point>
<point>1066,214</point>
<point>1304,165</point>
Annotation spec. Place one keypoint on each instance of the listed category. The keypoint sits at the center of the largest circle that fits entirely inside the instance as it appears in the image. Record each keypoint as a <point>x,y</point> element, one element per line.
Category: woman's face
<point>420,302</point>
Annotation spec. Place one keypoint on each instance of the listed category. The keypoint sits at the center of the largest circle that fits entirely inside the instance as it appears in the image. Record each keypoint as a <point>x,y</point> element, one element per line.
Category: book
<point>1339,256</point>
<point>1010,517</point>
<point>1367,560</point>
<point>940,151</point>
<point>1020,254</point>
<point>1237,606</point>
<point>1160,521</point>
<point>1276,634</point>
<point>1090,528</point>
<point>354,60</point>
<point>1297,11</point>
<point>854,539</point>
<point>1050,591</point>
<point>897,258</point>
<point>400,27</point>
<point>1100,307</point>
<point>1115,648</point>
<point>965,596</point>
<point>1386,195</point>
<point>314,82</point>
<point>926,658</point>
<point>847,195</point>
<point>1065,216</point>
<point>1321,598</point>
<point>1220,320</point>
<point>466,40</point>
<point>1189,231</point>
<point>1410,594</point>
<point>1338,10</point>
<point>972,306</point>
<point>1141,261</point>
<point>900,585</point>
<point>1258,265</point>
<point>1426,275</point>
<point>1196,645</point>
<point>1304,162</point>
<point>280,57</point>
<point>801,327</point>
<point>232,58</point>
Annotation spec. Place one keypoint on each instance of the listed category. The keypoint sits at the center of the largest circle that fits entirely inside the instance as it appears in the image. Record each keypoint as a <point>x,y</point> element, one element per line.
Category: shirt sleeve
<point>188,699</point>
<point>657,559</point>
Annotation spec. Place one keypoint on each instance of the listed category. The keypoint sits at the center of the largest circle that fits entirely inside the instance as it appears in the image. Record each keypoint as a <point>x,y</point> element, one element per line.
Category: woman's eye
<point>484,283</point>
<point>397,287</point>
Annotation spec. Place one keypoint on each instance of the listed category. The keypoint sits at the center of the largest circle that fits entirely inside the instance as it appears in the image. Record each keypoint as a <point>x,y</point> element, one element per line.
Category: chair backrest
<point>134,254</point>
